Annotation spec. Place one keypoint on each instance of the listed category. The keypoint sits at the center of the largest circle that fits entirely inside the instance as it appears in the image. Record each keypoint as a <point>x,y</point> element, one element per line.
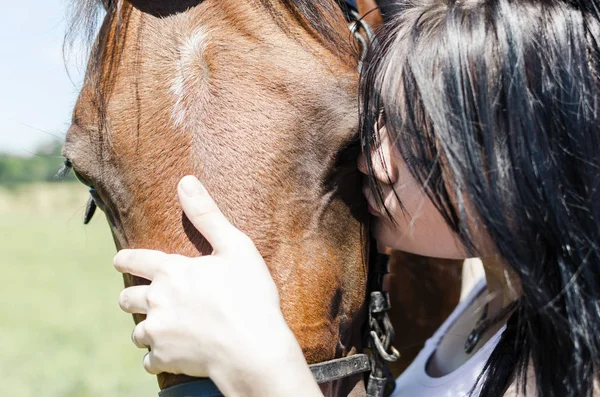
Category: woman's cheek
<point>418,228</point>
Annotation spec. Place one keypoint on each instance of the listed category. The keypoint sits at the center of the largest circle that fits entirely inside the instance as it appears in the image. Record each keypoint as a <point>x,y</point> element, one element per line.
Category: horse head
<point>258,99</point>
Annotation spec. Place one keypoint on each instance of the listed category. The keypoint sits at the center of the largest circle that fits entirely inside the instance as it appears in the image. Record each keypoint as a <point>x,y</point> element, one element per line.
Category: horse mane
<point>319,18</point>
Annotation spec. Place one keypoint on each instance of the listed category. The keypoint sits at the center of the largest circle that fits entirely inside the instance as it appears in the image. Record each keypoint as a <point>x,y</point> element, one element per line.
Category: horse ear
<point>371,13</point>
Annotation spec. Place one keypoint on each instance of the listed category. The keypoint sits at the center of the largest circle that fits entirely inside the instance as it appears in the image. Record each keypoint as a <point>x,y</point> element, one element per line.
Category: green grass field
<point>61,330</point>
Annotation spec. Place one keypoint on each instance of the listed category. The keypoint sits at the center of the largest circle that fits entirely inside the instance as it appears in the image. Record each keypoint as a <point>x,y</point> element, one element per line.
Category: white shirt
<point>415,382</point>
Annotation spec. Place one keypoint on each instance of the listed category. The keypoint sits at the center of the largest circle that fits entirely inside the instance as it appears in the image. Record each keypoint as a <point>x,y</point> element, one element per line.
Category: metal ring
<point>394,355</point>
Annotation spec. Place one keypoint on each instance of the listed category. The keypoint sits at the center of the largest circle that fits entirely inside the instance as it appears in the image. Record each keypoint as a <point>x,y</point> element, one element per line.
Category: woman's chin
<point>390,236</point>
<point>387,239</point>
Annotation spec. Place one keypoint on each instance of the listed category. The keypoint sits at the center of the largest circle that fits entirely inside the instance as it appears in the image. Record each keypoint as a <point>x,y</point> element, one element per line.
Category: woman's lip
<point>372,211</point>
<point>371,208</point>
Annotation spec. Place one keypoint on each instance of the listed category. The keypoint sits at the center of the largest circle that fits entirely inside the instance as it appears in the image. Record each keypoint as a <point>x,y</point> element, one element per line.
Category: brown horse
<point>258,99</point>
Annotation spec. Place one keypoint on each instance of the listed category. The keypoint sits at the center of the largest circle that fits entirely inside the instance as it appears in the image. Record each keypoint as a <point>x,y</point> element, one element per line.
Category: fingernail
<point>191,186</point>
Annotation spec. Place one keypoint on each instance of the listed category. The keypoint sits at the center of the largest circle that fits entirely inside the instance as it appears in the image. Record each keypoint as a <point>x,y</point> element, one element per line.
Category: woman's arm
<point>217,315</point>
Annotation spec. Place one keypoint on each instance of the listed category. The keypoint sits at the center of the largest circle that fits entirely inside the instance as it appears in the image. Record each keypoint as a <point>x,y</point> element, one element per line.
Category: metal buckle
<point>365,40</point>
<point>380,342</point>
<point>381,328</point>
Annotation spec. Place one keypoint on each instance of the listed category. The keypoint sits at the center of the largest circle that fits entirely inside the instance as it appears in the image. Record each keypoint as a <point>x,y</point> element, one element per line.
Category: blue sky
<point>36,94</point>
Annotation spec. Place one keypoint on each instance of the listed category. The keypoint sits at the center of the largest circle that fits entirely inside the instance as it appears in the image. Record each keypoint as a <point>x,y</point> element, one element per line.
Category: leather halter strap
<point>340,368</point>
<point>198,388</point>
<point>323,372</point>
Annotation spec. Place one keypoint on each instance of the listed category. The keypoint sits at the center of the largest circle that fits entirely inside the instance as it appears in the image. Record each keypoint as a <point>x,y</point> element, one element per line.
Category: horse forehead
<point>209,82</point>
<point>250,75</point>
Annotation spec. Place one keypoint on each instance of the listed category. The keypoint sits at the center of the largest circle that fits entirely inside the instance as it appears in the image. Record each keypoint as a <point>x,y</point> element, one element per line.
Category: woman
<point>481,137</point>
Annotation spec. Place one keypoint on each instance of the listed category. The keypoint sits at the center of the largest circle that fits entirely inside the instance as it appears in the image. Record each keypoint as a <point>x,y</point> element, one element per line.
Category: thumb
<point>204,214</point>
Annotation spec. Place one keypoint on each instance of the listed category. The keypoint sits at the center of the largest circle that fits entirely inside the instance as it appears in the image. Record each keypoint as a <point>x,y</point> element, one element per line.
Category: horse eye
<point>93,202</point>
<point>82,179</point>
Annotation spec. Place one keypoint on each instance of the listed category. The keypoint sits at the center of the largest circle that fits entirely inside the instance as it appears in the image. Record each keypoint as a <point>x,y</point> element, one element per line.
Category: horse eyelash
<point>64,170</point>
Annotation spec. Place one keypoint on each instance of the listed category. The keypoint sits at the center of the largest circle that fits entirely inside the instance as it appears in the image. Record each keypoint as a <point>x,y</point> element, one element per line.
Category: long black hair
<point>495,106</point>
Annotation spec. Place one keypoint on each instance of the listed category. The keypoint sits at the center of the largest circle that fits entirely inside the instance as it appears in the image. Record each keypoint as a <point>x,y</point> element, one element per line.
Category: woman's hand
<point>216,315</point>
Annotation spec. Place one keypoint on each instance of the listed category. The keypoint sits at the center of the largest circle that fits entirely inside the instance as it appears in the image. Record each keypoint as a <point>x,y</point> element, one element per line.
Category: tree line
<point>40,167</point>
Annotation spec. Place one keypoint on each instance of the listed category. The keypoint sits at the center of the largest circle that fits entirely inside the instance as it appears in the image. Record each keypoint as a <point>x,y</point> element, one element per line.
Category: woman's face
<point>419,228</point>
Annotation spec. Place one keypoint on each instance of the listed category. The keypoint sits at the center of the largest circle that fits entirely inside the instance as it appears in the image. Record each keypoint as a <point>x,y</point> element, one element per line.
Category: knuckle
<point>164,259</point>
<point>136,335</point>
<point>242,240</point>
<point>152,330</point>
<point>124,257</point>
<point>153,297</point>
<point>137,338</point>
<point>149,364</point>
<point>140,330</point>
<point>121,259</point>
<point>203,206</point>
<point>156,330</point>
<point>161,361</point>
<point>158,357</point>
<point>124,300</point>
<point>168,266</point>
<point>176,264</point>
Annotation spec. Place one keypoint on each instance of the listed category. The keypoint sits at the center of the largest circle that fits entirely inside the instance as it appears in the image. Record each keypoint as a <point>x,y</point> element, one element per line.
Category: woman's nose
<point>384,160</point>
<point>362,164</point>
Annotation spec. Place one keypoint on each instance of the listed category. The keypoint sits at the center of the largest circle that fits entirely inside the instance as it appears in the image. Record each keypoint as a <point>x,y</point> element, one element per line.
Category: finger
<point>204,214</point>
<point>134,299</point>
<point>139,262</point>
<point>139,337</point>
<point>150,364</point>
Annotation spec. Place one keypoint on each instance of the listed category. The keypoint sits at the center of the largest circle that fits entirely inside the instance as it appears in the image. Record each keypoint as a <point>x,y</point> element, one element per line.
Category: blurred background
<point>61,330</point>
